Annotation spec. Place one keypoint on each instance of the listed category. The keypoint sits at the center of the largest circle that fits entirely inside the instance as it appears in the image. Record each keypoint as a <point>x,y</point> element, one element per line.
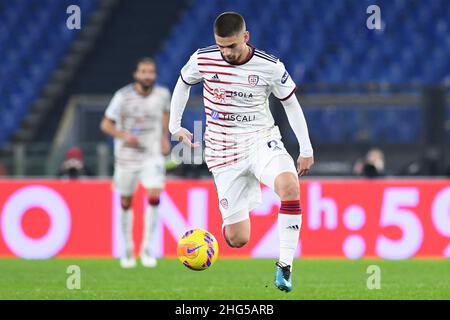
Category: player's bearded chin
<point>231,58</point>
<point>235,57</point>
<point>238,56</point>
<point>146,84</point>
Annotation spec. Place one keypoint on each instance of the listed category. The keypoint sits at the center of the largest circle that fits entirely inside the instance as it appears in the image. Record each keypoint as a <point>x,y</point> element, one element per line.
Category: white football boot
<point>128,261</point>
<point>147,260</point>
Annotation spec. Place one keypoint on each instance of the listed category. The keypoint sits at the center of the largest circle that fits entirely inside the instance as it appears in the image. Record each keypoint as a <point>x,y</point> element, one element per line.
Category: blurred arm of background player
<point>180,97</point>
<point>165,141</point>
<point>298,124</point>
<point>108,126</point>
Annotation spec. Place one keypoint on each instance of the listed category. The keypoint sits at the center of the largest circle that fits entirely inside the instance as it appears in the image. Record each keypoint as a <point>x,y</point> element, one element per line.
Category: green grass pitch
<point>228,279</point>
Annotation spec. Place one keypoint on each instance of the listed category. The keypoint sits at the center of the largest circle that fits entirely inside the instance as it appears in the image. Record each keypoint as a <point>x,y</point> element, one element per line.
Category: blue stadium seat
<point>33,39</point>
<point>319,43</point>
<point>344,44</point>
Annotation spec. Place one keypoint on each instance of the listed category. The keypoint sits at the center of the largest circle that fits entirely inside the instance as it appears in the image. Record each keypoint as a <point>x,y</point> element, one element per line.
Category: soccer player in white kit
<point>137,117</point>
<point>243,146</point>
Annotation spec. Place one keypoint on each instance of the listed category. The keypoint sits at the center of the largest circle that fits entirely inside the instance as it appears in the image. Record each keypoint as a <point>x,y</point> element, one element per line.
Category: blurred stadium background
<point>361,90</point>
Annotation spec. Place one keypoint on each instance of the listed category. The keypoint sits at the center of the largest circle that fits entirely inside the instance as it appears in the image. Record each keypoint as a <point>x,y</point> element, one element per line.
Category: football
<point>197,249</point>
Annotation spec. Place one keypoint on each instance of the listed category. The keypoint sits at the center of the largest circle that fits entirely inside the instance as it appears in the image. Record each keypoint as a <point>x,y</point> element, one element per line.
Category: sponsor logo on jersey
<point>241,94</point>
<point>215,77</point>
<point>215,114</point>
<point>284,77</point>
<point>253,80</point>
<point>239,117</point>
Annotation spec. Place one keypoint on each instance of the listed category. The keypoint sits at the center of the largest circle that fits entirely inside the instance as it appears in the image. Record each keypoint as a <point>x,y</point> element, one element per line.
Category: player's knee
<point>153,196</point>
<point>153,201</point>
<point>288,189</point>
<point>238,240</point>
<point>239,243</point>
<point>291,192</point>
<point>237,234</point>
<point>125,203</point>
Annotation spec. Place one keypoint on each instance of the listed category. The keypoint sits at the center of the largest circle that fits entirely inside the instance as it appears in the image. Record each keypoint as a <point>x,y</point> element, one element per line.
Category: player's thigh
<point>272,158</point>
<point>125,181</point>
<point>238,193</point>
<point>280,173</point>
<point>153,174</point>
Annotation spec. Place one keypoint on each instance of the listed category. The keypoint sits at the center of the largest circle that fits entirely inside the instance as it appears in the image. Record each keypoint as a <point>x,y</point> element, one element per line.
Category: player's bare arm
<point>108,126</point>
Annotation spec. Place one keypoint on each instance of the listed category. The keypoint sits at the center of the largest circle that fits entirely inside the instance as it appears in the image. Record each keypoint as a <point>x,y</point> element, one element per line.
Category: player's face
<point>234,47</point>
<point>145,75</point>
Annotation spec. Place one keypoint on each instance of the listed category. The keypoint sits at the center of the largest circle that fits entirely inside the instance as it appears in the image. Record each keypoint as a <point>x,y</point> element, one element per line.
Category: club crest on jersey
<point>253,80</point>
<point>224,203</point>
<point>219,95</point>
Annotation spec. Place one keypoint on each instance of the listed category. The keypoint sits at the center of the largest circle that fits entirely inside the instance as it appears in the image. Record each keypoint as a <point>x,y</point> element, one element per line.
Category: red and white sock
<point>289,225</point>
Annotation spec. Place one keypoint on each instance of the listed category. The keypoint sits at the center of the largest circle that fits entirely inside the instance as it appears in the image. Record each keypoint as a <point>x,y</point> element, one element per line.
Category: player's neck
<point>245,55</point>
<point>141,90</point>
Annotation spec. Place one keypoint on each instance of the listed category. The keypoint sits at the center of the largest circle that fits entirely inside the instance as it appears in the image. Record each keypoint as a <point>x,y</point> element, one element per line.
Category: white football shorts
<point>238,185</point>
<point>152,175</point>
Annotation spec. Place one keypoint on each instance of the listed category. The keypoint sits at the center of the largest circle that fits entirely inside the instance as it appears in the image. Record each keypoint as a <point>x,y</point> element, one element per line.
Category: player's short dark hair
<point>145,60</point>
<point>228,24</point>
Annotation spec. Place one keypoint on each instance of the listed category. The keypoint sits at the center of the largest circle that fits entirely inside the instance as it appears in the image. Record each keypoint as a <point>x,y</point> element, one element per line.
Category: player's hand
<point>130,139</point>
<point>304,164</point>
<point>165,146</point>
<point>183,135</point>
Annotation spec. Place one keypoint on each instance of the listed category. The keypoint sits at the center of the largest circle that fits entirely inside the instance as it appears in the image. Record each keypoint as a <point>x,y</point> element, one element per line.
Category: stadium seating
<point>320,42</point>
<point>33,39</point>
<point>328,42</point>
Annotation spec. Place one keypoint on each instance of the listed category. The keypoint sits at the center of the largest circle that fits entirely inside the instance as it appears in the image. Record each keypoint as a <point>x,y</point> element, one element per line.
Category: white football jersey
<point>142,117</point>
<point>236,100</point>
